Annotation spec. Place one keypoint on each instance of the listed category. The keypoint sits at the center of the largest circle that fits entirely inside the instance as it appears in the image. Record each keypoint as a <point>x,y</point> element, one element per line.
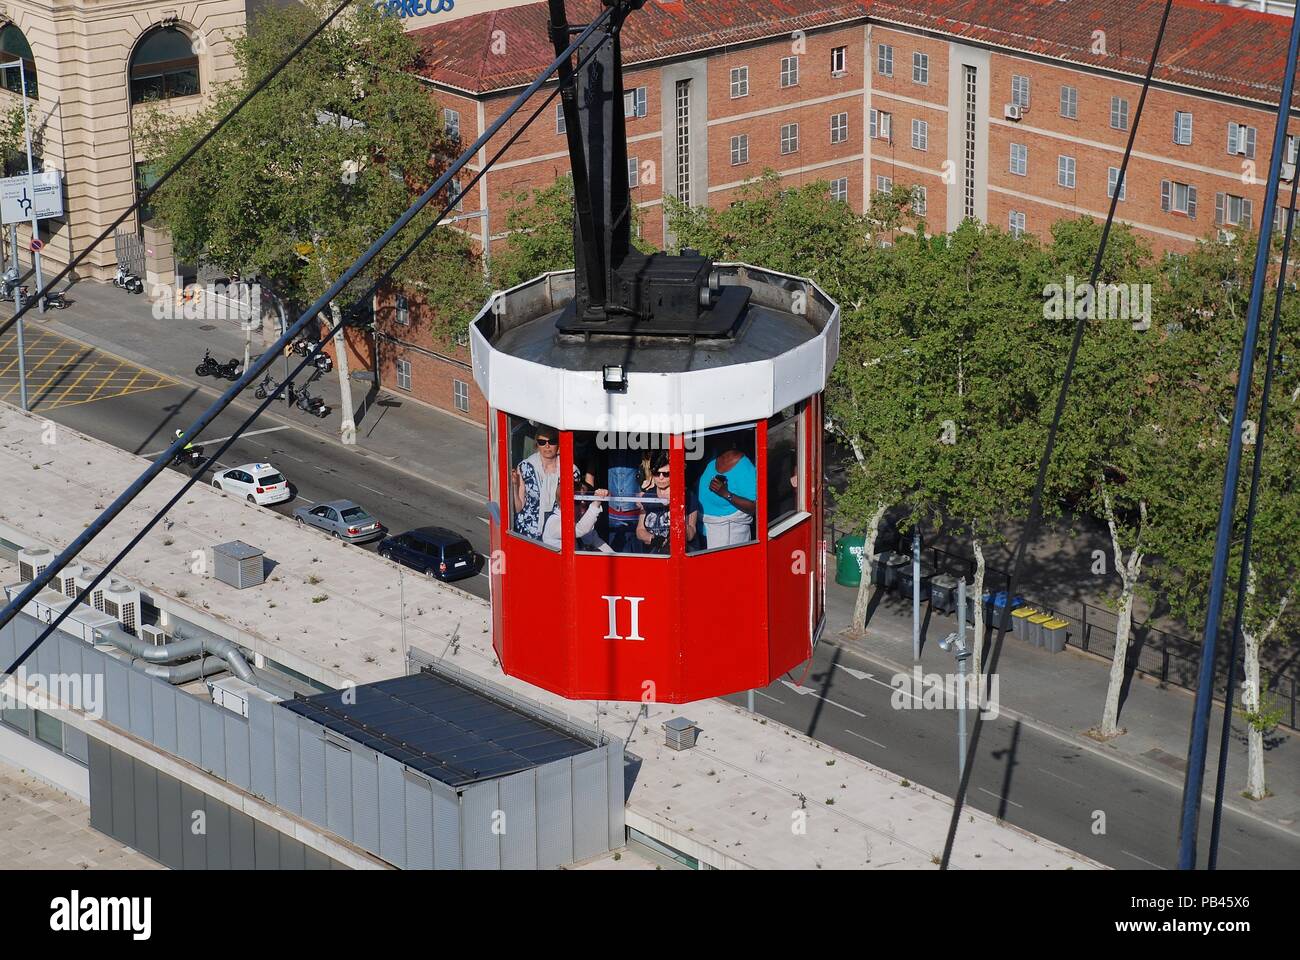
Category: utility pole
<point>31,185</point>
<point>916,595</point>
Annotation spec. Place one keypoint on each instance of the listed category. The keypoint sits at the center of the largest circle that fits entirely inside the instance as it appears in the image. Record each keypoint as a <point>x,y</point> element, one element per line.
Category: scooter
<point>55,301</point>
<point>304,345</point>
<point>323,362</point>
<point>10,282</point>
<point>269,385</point>
<point>192,458</point>
<point>127,280</point>
<point>316,406</point>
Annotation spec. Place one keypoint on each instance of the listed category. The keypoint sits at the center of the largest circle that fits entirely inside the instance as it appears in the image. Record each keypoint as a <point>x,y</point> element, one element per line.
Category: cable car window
<point>618,504</point>
<point>534,476</point>
<point>720,472</point>
<point>785,495</point>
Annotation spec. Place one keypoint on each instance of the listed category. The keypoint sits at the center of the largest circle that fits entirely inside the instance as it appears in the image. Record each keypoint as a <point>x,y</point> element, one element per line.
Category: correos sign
<point>415,8</point>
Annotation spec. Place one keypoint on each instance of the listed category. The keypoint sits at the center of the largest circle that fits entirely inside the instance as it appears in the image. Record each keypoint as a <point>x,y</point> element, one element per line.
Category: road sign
<point>37,244</point>
<point>17,201</point>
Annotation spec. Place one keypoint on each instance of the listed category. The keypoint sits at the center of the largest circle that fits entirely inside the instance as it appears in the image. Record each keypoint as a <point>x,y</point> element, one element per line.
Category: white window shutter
<point>1218,209</point>
<point>1250,142</point>
<point>1233,142</point>
<point>1164,195</point>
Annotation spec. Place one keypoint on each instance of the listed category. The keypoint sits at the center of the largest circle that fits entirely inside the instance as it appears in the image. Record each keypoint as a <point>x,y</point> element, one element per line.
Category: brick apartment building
<point>1014,112</point>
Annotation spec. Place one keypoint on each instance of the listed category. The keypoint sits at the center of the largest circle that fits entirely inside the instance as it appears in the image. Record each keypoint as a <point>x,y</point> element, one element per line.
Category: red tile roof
<point>1210,47</point>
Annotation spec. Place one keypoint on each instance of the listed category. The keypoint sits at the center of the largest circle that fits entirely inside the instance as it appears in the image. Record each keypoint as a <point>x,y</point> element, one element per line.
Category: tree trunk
<point>347,425</point>
<point>868,569</point>
<point>1129,570</point>
<point>977,647</point>
<point>1251,699</point>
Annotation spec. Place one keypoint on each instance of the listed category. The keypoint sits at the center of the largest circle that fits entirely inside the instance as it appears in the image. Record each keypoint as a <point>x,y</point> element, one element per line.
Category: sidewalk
<point>1062,694</point>
<point>410,436</point>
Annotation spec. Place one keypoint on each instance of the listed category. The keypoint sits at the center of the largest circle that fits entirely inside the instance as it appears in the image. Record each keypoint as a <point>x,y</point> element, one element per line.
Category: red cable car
<point>655,448</point>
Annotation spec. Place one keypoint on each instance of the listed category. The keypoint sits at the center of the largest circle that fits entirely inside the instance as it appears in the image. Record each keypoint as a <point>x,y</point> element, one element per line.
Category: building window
<point>1178,197</point>
<point>49,730</point>
<point>1118,113</point>
<point>739,82</point>
<point>1019,159</point>
<point>790,138</point>
<point>1070,103</point>
<point>1065,168</point>
<point>146,175</point>
<point>920,201</point>
<point>402,311</point>
<point>14,47</point>
<point>460,395</point>
<point>1292,148</point>
<point>1112,178</point>
<point>882,127</point>
<point>164,66</point>
<point>969,77</point>
<point>920,68</point>
<point>740,150</point>
<point>560,125</point>
<point>20,718</point>
<point>789,71</point>
<point>404,374</point>
<point>839,61</point>
<point>633,172</point>
<point>920,135</point>
<point>1183,129</point>
<point>635,103</point>
<point>1230,211</point>
<point>884,184</point>
<point>1020,92</point>
<point>454,193</point>
<point>1016,223</point>
<point>840,128</point>
<point>683,121</point>
<point>786,493</point>
<point>1241,140</point>
<point>840,189</point>
<point>451,123</point>
<point>885,60</point>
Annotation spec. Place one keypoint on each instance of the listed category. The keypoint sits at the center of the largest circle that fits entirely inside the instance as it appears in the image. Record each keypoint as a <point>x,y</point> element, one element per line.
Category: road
<point>1028,778</point>
<point>143,420</point>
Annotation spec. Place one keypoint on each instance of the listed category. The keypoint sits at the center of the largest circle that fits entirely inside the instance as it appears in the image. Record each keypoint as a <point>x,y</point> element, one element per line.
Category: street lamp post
<point>956,642</point>
<point>36,257</point>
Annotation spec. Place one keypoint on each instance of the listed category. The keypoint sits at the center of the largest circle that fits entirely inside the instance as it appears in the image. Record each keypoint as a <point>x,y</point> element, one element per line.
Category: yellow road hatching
<point>64,373</point>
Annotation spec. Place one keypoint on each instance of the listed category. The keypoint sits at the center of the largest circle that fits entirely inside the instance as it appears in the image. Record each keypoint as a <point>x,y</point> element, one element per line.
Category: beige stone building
<point>93,67</point>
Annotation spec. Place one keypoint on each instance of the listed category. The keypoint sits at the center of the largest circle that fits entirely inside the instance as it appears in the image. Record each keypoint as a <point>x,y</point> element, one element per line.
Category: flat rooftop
<point>333,613</point>
<point>443,729</point>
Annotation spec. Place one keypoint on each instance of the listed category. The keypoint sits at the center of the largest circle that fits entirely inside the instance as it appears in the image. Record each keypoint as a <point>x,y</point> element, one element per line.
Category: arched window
<point>164,66</point>
<point>14,47</point>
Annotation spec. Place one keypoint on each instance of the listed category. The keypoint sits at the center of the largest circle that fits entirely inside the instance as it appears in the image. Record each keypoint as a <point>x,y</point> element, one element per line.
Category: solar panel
<point>441,728</point>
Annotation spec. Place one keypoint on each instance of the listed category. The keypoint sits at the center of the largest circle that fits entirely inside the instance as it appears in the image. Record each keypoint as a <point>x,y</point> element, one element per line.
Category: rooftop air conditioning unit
<point>679,733</point>
<point>123,601</point>
<point>1012,111</point>
<point>238,564</point>
<point>152,633</point>
<point>83,578</point>
<point>1288,172</point>
<point>32,562</point>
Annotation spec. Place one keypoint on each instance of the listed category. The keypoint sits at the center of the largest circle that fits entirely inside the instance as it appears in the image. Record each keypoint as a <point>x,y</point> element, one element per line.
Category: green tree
<point>316,167</point>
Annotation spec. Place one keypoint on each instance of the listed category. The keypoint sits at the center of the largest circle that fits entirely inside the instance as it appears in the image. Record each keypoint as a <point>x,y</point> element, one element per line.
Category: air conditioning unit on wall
<point>1013,112</point>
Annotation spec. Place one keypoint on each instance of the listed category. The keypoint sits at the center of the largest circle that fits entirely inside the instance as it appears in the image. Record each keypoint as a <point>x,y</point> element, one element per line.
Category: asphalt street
<point>1023,776</point>
<point>143,422</point>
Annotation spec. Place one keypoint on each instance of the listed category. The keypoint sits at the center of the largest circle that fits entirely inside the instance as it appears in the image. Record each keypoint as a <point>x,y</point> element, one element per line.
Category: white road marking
<point>372,490</point>
<point>1002,798</point>
<point>767,696</point>
<point>246,433</point>
<point>485,520</point>
<point>1061,778</point>
<point>868,739</point>
<point>806,692</point>
<point>1143,859</point>
<point>858,674</point>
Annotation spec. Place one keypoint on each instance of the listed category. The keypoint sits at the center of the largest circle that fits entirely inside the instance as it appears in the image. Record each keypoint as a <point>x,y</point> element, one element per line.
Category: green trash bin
<point>848,560</point>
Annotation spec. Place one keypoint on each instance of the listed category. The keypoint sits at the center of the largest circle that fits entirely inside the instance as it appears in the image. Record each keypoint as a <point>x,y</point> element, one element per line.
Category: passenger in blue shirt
<point>728,498</point>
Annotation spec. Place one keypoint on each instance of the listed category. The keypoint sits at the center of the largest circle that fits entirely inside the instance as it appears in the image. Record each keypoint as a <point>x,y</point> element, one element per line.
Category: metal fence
<point>1164,656</point>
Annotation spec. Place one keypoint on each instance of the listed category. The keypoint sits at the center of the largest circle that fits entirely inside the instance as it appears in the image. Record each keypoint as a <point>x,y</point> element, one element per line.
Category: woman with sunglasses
<point>535,482</point>
<point>653,527</point>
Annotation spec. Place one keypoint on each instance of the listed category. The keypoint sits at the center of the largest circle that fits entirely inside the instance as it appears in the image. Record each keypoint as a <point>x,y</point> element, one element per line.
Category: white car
<point>258,483</point>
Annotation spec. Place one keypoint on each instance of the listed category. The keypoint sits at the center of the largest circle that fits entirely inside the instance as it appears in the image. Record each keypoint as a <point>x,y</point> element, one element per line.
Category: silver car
<point>343,519</point>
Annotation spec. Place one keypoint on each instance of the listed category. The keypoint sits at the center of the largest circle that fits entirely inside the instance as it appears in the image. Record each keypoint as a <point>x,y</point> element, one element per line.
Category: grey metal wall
<point>181,827</point>
<point>542,818</point>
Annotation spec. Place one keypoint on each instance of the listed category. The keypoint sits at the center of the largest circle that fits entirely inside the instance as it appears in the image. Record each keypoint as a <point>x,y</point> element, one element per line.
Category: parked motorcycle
<point>232,370</point>
<point>127,280</point>
<point>55,301</point>
<point>304,345</point>
<point>209,367</point>
<point>323,362</point>
<point>269,385</point>
<point>10,282</point>
<point>316,406</point>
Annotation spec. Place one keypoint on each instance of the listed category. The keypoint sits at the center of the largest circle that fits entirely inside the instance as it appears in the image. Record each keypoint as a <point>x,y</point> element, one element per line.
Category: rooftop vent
<point>238,564</point>
<point>32,562</point>
<point>679,733</point>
